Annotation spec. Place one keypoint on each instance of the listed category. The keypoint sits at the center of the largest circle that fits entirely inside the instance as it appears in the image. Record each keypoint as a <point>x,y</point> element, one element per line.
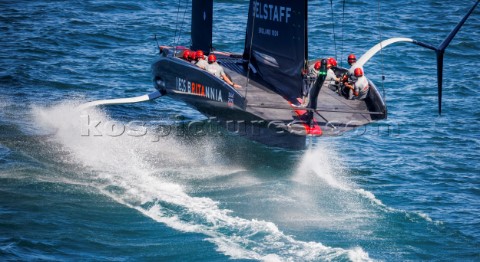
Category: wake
<point>323,163</point>
<point>141,174</point>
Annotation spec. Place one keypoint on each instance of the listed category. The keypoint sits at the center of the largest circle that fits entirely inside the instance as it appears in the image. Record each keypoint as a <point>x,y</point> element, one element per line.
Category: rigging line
<point>343,25</point>
<point>176,27</point>
<point>250,55</point>
<point>333,30</point>
<point>191,21</point>
<point>179,22</point>
<point>183,20</point>
<point>381,49</point>
<point>320,115</point>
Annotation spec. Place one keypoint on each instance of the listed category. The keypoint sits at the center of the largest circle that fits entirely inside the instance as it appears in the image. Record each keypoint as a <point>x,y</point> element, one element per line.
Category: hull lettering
<point>199,89</point>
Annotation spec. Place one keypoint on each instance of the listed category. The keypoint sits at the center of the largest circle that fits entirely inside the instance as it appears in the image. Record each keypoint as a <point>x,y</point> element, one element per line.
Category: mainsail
<point>276,43</point>
<point>202,19</point>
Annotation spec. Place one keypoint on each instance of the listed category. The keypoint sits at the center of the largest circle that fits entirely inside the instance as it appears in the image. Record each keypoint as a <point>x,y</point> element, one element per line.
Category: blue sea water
<point>407,188</point>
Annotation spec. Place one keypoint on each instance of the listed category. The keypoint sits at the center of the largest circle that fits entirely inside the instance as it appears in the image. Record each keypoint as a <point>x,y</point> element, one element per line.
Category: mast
<point>202,20</point>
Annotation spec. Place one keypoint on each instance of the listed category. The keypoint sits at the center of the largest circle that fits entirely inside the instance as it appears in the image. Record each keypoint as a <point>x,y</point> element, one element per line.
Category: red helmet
<point>193,55</point>
<point>358,72</point>
<point>212,58</point>
<point>317,65</point>
<point>186,54</point>
<point>199,54</point>
<point>332,61</point>
<point>352,59</point>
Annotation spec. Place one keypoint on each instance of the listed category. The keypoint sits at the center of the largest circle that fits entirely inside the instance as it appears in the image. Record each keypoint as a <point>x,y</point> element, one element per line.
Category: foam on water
<point>323,162</point>
<point>137,172</point>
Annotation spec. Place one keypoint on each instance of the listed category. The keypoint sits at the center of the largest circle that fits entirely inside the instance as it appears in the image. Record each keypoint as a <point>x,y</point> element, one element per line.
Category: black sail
<point>202,19</point>
<point>276,43</point>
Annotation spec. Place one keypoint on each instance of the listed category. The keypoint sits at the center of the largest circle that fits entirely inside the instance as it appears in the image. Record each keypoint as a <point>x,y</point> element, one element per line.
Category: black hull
<point>257,112</point>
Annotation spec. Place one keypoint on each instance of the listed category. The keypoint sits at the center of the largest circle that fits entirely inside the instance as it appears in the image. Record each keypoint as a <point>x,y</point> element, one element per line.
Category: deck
<point>335,114</point>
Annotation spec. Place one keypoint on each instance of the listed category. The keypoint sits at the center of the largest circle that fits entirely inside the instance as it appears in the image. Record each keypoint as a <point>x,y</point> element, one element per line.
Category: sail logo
<point>275,13</point>
<point>190,87</point>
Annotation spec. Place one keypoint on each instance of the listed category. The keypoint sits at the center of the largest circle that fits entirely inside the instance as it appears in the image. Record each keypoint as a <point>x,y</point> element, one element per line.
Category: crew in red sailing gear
<point>331,77</point>
<point>201,61</point>
<point>359,88</point>
<point>192,57</point>
<point>186,55</point>
<point>217,70</point>
<point>332,61</point>
<point>313,69</point>
<point>352,59</point>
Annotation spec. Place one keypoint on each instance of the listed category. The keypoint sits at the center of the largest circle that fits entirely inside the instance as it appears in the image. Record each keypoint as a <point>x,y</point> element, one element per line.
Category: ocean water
<point>406,188</point>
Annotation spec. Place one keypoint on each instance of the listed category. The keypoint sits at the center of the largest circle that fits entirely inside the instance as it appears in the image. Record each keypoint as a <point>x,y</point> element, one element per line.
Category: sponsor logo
<point>275,13</point>
<point>267,31</point>
<point>190,87</point>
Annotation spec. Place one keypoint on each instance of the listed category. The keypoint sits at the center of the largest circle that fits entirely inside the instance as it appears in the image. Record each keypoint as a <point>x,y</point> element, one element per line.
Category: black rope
<point>333,29</point>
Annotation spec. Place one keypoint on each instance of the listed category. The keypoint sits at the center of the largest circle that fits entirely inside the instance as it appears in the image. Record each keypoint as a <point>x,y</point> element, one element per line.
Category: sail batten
<point>276,43</point>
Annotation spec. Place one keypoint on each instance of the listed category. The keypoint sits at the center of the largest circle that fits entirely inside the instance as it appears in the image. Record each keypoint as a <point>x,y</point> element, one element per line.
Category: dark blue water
<point>407,188</point>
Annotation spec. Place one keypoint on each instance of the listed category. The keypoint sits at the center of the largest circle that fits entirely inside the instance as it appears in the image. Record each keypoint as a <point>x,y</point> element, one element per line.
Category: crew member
<point>309,77</point>
<point>331,64</point>
<point>347,78</point>
<point>217,70</point>
<point>352,59</point>
<point>359,88</point>
<point>186,55</point>
<point>313,69</point>
<point>333,61</point>
<point>193,57</point>
<point>201,61</point>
